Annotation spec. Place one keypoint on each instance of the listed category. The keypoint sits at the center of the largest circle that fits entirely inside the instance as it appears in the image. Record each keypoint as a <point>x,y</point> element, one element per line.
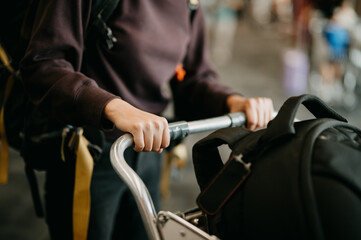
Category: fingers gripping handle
<point>133,181</point>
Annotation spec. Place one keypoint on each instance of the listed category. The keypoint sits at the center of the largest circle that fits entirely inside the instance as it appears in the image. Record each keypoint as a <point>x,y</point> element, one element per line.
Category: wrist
<point>111,109</point>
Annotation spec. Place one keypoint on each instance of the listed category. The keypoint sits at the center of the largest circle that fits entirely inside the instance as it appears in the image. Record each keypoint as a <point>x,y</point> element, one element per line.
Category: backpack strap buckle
<point>239,158</point>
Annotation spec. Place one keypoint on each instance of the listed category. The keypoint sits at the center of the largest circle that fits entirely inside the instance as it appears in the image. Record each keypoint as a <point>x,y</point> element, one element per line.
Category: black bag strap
<point>102,11</point>
<point>283,124</point>
<point>217,181</point>
<point>206,158</point>
<point>34,189</point>
<point>193,6</point>
<point>223,185</point>
<point>100,14</point>
<point>105,8</point>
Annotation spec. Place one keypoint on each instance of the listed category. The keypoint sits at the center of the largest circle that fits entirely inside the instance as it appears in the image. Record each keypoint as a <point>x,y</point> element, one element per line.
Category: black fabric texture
<point>304,184</point>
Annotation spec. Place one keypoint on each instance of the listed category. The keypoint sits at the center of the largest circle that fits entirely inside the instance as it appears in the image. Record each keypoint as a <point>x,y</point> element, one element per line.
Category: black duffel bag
<point>291,180</point>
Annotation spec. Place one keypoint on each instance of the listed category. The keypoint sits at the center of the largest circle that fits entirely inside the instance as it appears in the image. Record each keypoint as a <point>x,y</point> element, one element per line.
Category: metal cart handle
<point>133,181</point>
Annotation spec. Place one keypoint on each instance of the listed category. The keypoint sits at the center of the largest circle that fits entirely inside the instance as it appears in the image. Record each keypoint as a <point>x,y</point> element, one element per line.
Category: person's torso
<point>152,38</point>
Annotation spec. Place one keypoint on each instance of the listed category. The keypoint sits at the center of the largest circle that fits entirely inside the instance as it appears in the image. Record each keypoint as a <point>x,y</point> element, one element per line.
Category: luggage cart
<point>166,225</point>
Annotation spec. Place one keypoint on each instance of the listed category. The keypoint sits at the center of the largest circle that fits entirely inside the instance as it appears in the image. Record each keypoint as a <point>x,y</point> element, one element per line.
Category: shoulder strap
<point>217,181</point>
<point>103,9</point>
<point>100,14</point>
<point>206,158</point>
<point>193,6</point>
<point>223,185</point>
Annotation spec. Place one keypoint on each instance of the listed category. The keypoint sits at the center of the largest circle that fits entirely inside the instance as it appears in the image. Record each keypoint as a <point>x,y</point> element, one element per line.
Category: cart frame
<point>166,225</point>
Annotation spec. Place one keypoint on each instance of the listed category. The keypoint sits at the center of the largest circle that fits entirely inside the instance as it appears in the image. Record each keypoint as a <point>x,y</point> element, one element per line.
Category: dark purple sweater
<point>153,36</point>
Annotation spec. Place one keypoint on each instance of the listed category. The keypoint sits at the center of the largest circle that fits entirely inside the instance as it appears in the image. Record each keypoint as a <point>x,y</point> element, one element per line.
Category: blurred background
<point>278,49</point>
<point>272,48</point>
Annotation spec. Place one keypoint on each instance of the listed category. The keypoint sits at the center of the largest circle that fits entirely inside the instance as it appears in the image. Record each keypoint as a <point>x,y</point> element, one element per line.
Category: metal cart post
<point>166,225</point>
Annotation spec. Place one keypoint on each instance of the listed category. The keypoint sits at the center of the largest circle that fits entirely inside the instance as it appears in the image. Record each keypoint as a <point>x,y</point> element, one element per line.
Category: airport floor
<point>255,69</point>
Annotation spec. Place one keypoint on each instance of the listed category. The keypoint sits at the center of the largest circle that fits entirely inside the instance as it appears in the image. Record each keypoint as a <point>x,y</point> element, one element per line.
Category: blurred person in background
<point>332,26</point>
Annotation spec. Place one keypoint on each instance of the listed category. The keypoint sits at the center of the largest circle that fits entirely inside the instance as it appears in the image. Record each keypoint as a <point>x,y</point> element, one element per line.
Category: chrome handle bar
<point>133,181</point>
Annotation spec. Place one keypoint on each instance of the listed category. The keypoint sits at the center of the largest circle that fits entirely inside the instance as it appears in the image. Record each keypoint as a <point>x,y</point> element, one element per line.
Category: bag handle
<point>283,124</point>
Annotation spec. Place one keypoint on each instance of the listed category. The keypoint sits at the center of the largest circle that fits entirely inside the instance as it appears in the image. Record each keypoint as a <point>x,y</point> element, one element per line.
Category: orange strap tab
<point>180,72</point>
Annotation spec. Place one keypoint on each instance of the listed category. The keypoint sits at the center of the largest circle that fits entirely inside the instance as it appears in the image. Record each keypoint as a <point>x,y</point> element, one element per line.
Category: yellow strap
<point>83,168</point>
<point>81,200</point>
<point>5,60</point>
<point>4,154</point>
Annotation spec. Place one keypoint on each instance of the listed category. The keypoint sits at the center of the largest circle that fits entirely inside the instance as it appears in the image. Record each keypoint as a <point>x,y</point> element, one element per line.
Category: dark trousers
<point>114,214</point>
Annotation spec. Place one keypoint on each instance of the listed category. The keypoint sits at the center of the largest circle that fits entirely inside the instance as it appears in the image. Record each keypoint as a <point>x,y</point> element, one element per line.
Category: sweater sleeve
<point>200,94</point>
<point>52,63</point>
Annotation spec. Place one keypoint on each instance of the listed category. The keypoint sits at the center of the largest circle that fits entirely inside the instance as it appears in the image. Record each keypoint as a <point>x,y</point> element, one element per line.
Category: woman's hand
<point>150,132</point>
<point>259,111</point>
